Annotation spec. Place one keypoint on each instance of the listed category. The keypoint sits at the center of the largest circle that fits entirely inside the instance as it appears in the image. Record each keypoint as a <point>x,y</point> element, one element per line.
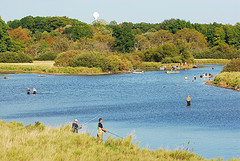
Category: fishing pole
<point>89,120</point>
<point>115,134</point>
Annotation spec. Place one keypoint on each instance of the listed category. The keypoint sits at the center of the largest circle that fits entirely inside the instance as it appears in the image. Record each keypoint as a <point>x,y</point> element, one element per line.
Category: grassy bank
<point>227,80</point>
<point>168,66</point>
<point>47,68</point>
<point>38,142</point>
<point>211,61</point>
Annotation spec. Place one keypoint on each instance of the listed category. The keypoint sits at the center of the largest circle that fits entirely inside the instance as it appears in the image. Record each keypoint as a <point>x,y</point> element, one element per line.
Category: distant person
<point>195,77</point>
<point>188,100</point>
<point>34,91</point>
<point>28,91</point>
<point>186,78</point>
<point>100,130</point>
<point>75,126</point>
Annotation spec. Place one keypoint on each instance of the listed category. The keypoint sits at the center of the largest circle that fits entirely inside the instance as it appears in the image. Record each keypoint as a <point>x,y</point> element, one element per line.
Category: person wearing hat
<point>75,126</point>
<point>188,100</point>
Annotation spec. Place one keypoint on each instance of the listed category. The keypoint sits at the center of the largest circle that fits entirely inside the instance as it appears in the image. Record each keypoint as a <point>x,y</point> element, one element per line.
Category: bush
<point>232,66</point>
<point>102,60</point>
<point>13,57</point>
<point>49,55</point>
<point>66,58</point>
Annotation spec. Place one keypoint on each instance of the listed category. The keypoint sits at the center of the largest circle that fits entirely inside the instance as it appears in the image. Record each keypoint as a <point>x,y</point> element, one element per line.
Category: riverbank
<point>157,65</point>
<point>37,142</point>
<point>46,67</point>
<point>211,61</point>
<point>229,80</point>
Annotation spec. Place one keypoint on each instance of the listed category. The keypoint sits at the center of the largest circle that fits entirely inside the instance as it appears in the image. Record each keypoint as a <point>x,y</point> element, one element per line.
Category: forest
<point>112,46</point>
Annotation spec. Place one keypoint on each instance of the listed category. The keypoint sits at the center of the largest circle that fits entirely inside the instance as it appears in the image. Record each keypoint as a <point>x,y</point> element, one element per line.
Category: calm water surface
<point>133,104</point>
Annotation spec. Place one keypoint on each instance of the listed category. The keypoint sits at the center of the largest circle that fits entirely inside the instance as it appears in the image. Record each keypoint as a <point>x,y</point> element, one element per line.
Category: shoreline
<point>221,85</point>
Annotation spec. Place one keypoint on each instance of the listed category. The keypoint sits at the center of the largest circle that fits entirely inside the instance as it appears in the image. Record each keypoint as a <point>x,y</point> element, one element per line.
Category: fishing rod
<point>115,134</point>
<point>89,120</point>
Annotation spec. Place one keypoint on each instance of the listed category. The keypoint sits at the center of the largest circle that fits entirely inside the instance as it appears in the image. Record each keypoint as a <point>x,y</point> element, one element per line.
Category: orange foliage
<point>19,35</point>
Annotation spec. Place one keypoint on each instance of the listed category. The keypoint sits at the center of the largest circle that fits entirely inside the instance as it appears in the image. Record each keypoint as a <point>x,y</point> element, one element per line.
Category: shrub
<point>13,57</point>
<point>49,55</point>
<point>232,66</point>
<point>66,58</point>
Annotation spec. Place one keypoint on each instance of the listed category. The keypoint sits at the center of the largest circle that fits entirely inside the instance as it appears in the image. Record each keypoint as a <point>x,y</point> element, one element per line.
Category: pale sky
<point>136,11</point>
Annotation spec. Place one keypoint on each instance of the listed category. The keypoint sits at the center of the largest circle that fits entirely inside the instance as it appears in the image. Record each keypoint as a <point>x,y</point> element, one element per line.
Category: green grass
<point>228,79</point>
<point>37,142</point>
<point>211,61</point>
<point>49,69</point>
<point>151,65</point>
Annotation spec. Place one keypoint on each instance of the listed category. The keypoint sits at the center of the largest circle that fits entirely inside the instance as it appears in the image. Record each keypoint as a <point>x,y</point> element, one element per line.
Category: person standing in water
<point>188,100</point>
<point>100,130</point>
<point>34,91</point>
<point>28,91</point>
<point>75,126</point>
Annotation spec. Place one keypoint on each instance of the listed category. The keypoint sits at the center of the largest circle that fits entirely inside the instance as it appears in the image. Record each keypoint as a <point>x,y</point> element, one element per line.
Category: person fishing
<point>34,91</point>
<point>100,130</point>
<point>75,126</point>
<point>195,77</point>
<point>188,100</point>
<point>28,91</point>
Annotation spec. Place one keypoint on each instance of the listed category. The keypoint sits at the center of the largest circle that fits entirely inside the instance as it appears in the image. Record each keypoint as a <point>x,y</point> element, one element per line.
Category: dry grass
<point>38,142</point>
<point>46,67</point>
<point>228,79</point>
<point>211,61</point>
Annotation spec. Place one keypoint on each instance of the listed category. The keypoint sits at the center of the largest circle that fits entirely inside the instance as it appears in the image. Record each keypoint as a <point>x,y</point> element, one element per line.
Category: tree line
<point>174,40</point>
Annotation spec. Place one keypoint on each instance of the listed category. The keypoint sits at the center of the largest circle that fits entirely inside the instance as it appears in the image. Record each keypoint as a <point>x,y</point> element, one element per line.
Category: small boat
<point>172,71</point>
<point>195,66</point>
<point>138,72</point>
<point>162,68</point>
<point>41,75</point>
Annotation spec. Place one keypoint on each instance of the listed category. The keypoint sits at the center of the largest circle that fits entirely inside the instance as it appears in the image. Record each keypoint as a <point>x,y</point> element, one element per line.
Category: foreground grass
<point>48,68</point>
<point>211,61</point>
<point>228,80</point>
<point>38,142</point>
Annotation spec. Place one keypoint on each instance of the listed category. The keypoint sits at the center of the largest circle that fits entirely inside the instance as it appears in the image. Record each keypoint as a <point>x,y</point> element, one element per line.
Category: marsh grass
<point>37,142</point>
<point>48,68</point>
<point>211,61</point>
<point>231,79</point>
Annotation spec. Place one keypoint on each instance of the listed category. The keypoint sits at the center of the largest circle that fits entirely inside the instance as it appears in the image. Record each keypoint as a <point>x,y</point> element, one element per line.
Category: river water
<point>150,106</point>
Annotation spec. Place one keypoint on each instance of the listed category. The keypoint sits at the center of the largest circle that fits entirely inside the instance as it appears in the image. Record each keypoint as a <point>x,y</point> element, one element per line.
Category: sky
<point>136,11</point>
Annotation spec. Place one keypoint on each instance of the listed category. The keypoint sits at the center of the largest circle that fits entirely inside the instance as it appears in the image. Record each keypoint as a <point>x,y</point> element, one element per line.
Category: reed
<point>211,61</point>
<point>48,69</point>
<point>38,142</point>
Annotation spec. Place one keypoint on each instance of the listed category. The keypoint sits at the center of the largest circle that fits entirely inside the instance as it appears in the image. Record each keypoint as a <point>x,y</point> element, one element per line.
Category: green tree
<point>80,30</point>
<point>124,39</point>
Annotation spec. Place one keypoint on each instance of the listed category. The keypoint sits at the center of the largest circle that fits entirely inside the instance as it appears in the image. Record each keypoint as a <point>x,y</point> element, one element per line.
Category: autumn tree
<point>161,37</point>
<point>141,43</point>
<point>192,38</point>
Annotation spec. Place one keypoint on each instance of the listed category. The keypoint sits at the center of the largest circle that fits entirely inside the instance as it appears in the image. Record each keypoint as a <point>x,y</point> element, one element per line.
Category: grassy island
<point>38,142</point>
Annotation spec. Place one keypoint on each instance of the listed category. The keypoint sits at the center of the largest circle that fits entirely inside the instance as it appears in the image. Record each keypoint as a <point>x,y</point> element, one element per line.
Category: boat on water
<point>138,72</point>
<point>195,66</point>
<point>162,68</point>
<point>175,71</point>
<point>41,75</point>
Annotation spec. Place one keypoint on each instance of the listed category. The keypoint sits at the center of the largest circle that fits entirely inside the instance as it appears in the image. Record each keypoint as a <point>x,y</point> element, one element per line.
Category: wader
<point>188,103</point>
<point>99,135</point>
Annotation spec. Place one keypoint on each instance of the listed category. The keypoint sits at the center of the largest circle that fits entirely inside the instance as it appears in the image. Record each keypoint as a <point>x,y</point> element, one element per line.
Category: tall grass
<point>228,79</point>
<point>37,142</point>
<point>211,61</point>
<point>49,69</point>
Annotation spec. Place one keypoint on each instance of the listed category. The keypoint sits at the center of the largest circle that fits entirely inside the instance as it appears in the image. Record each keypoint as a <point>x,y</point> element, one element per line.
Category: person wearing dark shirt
<point>100,131</point>
<point>75,126</point>
<point>28,91</point>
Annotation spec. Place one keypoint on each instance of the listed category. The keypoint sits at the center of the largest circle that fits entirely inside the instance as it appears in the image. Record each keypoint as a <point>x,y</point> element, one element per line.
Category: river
<point>150,106</point>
